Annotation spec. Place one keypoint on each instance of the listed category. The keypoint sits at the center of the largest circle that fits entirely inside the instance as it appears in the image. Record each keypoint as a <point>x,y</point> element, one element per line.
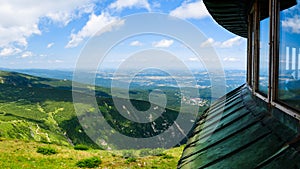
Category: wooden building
<point>259,127</point>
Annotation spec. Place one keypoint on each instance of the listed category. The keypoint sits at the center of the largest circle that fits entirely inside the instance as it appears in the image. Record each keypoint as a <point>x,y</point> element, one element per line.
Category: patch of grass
<point>167,156</point>
<point>92,162</point>
<point>145,152</point>
<point>151,152</point>
<point>46,150</point>
<point>128,154</point>
<point>158,152</point>
<point>16,153</point>
<point>130,160</point>
<point>81,147</point>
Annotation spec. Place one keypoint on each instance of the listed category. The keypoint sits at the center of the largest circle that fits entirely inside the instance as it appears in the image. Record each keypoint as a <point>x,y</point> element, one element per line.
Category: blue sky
<point>52,33</point>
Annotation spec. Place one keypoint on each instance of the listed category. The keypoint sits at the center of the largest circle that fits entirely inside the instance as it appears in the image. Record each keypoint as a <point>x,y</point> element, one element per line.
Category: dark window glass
<point>264,56</point>
<point>289,55</point>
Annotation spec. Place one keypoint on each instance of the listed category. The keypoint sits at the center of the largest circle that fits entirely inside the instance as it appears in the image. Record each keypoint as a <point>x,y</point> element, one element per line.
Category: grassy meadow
<point>16,154</point>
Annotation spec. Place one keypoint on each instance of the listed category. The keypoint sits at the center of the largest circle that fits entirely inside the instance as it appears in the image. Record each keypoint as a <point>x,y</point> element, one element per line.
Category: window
<point>274,54</point>
<point>264,56</point>
<point>289,57</point>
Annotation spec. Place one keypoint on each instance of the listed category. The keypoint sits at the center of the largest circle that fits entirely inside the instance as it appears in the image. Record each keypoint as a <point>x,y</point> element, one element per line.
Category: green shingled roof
<point>233,14</point>
<point>246,136</point>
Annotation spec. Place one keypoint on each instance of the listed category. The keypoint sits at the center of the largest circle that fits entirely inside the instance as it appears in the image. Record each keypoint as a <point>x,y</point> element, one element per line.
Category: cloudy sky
<point>52,33</point>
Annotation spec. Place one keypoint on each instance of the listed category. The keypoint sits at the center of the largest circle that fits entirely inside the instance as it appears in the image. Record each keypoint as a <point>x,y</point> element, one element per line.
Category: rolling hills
<point>41,109</point>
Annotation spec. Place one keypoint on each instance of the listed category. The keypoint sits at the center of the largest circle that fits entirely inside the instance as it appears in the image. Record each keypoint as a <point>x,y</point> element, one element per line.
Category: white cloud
<point>193,59</point>
<point>17,34</point>
<point>55,61</point>
<point>121,4</point>
<point>20,19</point>
<point>136,43</point>
<point>115,24</point>
<point>94,24</point>
<point>292,23</point>
<point>65,16</point>
<point>231,59</point>
<point>156,4</point>
<point>9,51</point>
<point>232,42</point>
<point>193,10</point>
<point>50,45</point>
<point>58,61</point>
<point>163,43</point>
<point>210,42</point>
<point>26,54</point>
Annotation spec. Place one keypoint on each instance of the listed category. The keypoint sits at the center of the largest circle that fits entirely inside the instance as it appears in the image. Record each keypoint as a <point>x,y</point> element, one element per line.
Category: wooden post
<point>256,48</point>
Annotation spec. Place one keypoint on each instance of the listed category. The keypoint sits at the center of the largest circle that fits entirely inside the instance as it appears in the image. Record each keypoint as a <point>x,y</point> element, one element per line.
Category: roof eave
<point>233,14</point>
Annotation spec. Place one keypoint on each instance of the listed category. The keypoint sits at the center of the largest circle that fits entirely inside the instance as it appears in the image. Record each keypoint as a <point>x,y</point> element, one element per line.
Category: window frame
<point>253,58</point>
<point>265,95</point>
<point>276,102</point>
<point>250,46</point>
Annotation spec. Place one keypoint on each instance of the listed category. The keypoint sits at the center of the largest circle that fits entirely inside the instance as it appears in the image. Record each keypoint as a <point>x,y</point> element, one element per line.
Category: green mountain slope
<point>33,108</point>
<point>41,109</point>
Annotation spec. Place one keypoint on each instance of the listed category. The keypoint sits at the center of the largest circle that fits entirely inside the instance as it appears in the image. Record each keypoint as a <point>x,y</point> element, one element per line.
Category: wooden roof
<point>233,14</point>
